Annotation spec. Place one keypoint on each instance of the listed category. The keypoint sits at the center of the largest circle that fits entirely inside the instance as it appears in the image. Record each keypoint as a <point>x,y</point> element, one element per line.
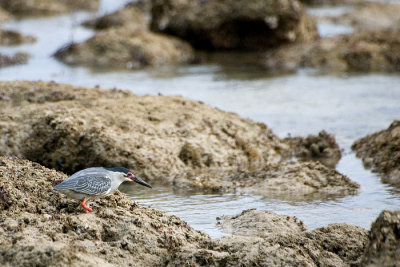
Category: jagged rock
<point>14,38</point>
<point>384,241</point>
<point>381,152</point>
<point>18,58</point>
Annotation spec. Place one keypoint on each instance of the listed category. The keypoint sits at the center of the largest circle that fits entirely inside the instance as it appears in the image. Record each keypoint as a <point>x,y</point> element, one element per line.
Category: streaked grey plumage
<point>96,182</point>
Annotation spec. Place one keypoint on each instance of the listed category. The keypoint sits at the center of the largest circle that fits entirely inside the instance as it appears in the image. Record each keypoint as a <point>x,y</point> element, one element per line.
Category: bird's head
<point>129,176</point>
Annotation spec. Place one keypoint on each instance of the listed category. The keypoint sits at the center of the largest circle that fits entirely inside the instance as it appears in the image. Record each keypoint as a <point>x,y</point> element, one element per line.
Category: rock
<point>261,224</point>
<point>129,16</point>
<point>4,15</point>
<point>18,58</point>
<point>362,51</point>
<point>155,136</point>
<point>39,226</point>
<point>127,48</point>
<point>230,24</point>
<point>384,241</point>
<point>266,239</point>
<point>372,17</point>
<point>14,38</point>
<point>321,147</point>
<point>46,7</point>
<point>294,181</point>
<point>381,152</point>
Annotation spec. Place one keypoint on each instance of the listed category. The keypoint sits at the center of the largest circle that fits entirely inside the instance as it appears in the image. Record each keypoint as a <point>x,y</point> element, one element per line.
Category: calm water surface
<point>349,106</point>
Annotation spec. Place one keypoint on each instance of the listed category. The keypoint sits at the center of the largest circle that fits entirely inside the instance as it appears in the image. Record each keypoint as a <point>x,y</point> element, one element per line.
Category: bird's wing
<point>90,183</point>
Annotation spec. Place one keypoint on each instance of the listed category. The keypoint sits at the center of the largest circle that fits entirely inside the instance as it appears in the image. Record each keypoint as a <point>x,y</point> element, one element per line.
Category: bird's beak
<point>140,181</point>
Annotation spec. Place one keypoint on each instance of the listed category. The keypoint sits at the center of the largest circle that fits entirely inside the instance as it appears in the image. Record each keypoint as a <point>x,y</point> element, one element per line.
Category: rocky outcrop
<point>321,147</point>
<point>384,241</point>
<point>289,243</point>
<point>18,58</point>
<point>289,181</point>
<point>46,7</point>
<point>40,226</point>
<point>362,51</point>
<point>14,38</point>
<point>128,48</point>
<point>381,152</point>
<point>156,136</point>
<point>230,24</point>
<point>129,16</point>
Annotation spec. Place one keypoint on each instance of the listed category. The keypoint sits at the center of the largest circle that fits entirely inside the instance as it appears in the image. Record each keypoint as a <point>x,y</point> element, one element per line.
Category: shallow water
<point>349,106</point>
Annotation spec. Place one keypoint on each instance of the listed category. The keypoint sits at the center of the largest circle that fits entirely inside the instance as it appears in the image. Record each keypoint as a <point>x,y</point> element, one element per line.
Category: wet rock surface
<point>18,58</point>
<point>381,152</point>
<point>128,48</point>
<point>46,7</point>
<point>321,147</point>
<point>233,24</point>
<point>362,51</point>
<point>289,243</point>
<point>129,16</point>
<point>156,136</point>
<point>14,38</point>
<point>384,241</point>
<point>294,181</point>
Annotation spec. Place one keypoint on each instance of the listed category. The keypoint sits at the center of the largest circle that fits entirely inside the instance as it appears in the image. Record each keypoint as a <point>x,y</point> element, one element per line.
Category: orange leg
<point>85,207</point>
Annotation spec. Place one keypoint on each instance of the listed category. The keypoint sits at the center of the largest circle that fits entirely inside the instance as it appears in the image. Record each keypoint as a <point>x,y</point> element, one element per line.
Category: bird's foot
<point>86,207</point>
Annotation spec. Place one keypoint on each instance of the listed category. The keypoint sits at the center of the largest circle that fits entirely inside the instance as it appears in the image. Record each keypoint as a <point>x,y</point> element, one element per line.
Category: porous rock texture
<point>294,181</point>
<point>128,16</point>
<point>384,241</point>
<point>280,240</point>
<point>231,24</point>
<point>362,51</point>
<point>70,128</point>
<point>381,152</point>
<point>40,226</point>
<point>46,7</point>
<point>128,48</point>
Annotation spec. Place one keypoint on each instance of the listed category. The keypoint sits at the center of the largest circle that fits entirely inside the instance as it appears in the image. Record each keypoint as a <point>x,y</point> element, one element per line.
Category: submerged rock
<point>384,241</point>
<point>362,51</point>
<point>14,38</point>
<point>129,16</point>
<point>294,181</point>
<point>321,147</point>
<point>381,152</point>
<point>231,24</point>
<point>155,136</point>
<point>46,7</point>
<point>128,48</point>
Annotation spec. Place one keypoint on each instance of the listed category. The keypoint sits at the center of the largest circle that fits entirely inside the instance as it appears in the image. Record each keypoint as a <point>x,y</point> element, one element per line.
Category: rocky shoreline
<point>56,124</point>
